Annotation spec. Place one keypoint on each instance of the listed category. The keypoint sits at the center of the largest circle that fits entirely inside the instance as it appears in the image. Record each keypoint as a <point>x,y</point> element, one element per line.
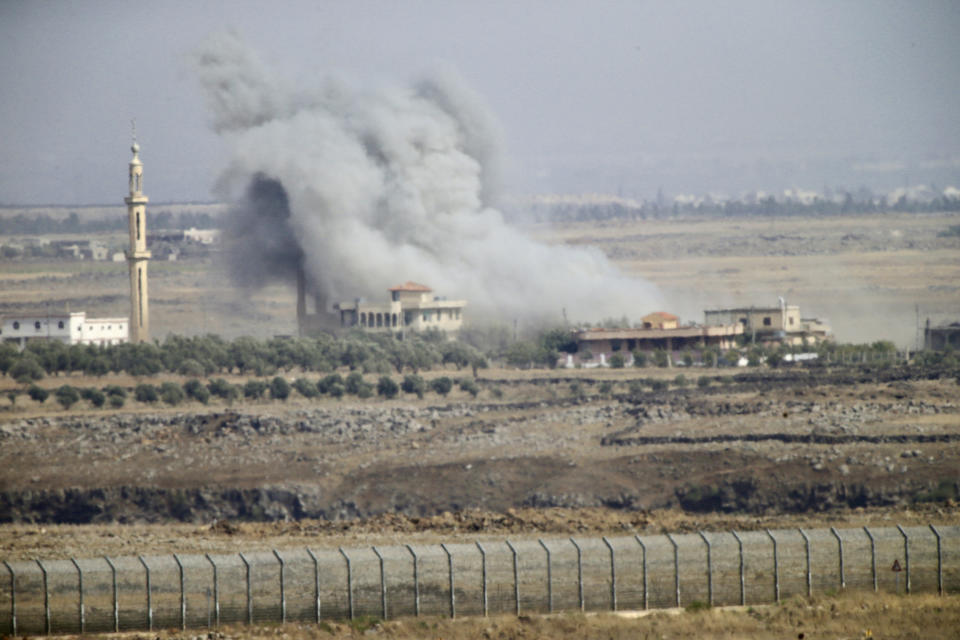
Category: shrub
<point>336,390</point>
<point>687,358</point>
<point>606,387</point>
<point>117,401</point>
<point>254,389</point>
<point>441,385</point>
<point>469,386</point>
<point>658,385</point>
<point>617,361</point>
<point>115,390</point>
<point>353,383</point>
<point>195,389</point>
<point>387,388</point>
<point>220,388</point>
<point>191,367</point>
<point>639,358</point>
<point>279,388</point>
<point>496,392</point>
<point>703,382</point>
<point>305,388</point>
<point>660,358</point>
<point>172,394</point>
<point>26,369</point>
<point>413,383</point>
<point>365,390</point>
<point>635,387</point>
<point>680,380</point>
<point>38,394</point>
<point>146,393</point>
<point>97,398</point>
<point>324,384</point>
<point>67,396</point>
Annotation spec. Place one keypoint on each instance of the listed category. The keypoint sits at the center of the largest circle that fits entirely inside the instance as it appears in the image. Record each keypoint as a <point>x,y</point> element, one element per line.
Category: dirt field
<point>848,616</point>
<point>866,274</point>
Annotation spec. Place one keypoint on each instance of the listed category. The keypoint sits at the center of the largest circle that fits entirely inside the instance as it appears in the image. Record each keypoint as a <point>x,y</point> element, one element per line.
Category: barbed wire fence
<point>483,578</point>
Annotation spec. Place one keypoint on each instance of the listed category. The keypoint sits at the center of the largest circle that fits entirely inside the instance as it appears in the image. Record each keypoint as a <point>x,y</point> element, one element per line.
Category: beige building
<point>603,344</point>
<point>782,323</point>
<point>412,307</point>
<point>660,320</point>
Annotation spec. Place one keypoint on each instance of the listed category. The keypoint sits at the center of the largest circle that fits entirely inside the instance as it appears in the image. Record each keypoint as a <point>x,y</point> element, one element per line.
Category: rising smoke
<point>367,189</point>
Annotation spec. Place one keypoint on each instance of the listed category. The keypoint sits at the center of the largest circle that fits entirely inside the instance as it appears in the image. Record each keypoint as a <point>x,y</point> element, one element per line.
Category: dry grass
<point>850,615</point>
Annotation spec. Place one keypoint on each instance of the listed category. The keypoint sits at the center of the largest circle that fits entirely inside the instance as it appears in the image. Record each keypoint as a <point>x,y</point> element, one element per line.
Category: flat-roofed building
<point>782,323</point>
<point>412,307</point>
<point>69,328</point>
<point>603,344</point>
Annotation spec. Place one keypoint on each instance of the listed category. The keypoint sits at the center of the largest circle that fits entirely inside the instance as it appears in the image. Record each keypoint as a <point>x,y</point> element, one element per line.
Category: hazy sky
<point>610,97</point>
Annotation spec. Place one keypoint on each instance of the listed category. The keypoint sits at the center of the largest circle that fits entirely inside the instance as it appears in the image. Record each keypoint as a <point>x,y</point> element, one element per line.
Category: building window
<point>60,325</point>
<point>791,321</point>
<point>36,325</point>
<point>743,321</point>
<point>16,325</point>
<point>615,345</point>
<point>766,321</point>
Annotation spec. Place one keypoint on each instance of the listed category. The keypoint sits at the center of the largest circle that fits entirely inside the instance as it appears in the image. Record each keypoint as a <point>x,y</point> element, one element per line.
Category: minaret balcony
<point>138,255</point>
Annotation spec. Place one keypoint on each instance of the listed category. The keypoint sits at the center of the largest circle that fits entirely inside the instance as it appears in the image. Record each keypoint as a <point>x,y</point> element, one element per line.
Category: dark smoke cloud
<point>367,189</point>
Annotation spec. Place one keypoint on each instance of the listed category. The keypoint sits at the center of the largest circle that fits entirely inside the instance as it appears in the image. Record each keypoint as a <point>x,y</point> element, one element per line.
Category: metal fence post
<point>706,541</point>
<point>643,551</point>
<point>13,599</point>
<point>516,578</point>
<point>46,596</point>
<point>80,611</point>
<point>246,564</point>
<point>316,579</point>
<point>416,583</point>
<point>806,549</point>
<point>613,575</point>
<point>483,565</point>
<point>283,592</point>
<point>906,556</point>
<point>216,592</point>
<point>873,557</point>
<point>453,598</point>
<point>183,594</point>
<point>776,567</point>
<point>843,577</point>
<point>383,585</point>
<point>349,580</point>
<point>549,577</point>
<point>743,582</point>
<point>579,572</point>
<point>939,561</point>
<point>146,569</point>
<point>116,602</point>
<point>676,567</point>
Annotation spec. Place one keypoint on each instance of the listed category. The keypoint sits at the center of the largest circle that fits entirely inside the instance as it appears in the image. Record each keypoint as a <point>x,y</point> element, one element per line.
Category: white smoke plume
<point>368,189</point>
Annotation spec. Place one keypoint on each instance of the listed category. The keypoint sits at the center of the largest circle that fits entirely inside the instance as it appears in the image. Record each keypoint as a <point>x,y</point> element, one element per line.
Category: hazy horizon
<point>626,98</point>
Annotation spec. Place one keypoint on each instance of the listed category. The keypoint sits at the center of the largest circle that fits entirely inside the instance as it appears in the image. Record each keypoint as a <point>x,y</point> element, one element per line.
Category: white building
<point>69,328</point>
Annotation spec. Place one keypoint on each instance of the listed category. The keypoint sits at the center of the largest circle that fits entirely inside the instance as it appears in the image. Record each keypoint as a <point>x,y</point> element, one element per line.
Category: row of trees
<point>42,224</point>
<point>278,388</point>
<point>210,354</point>
<point>767,206</point>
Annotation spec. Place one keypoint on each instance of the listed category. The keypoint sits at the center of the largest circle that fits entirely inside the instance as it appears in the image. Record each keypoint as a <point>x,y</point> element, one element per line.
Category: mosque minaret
<point>138,256</point>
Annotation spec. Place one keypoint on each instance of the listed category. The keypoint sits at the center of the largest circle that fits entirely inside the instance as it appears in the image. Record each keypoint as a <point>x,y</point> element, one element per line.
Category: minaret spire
<point>137,256</point>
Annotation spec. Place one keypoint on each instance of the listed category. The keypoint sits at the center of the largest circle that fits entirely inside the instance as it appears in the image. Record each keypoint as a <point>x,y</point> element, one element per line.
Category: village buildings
<point>781,324</point>
<point>68,328</point>
<point>412,307</point>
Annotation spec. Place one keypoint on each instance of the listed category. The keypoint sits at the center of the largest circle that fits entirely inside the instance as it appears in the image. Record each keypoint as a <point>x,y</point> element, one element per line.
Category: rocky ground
<point>789,442</point>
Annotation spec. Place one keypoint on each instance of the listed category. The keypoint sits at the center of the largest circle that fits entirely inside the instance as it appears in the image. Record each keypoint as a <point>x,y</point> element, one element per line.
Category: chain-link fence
<point>529,576</point>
